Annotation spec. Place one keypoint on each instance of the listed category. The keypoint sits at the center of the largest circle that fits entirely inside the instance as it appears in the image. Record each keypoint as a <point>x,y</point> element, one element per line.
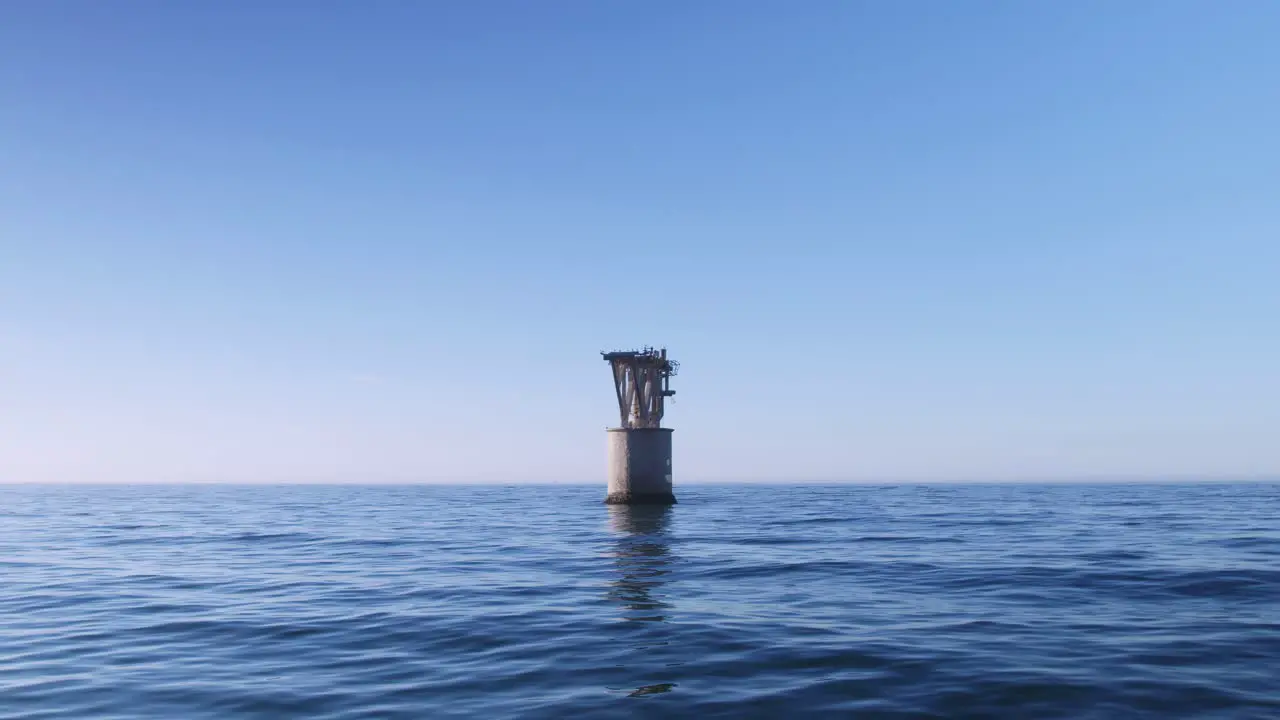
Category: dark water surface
<point>436,602</point>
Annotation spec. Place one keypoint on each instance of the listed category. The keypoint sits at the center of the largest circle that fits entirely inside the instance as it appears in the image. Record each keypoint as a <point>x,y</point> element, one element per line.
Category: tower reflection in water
<point>642,558</point>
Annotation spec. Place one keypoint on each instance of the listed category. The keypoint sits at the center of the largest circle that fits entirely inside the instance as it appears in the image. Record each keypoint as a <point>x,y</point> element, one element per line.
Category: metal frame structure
<point>642,382</point>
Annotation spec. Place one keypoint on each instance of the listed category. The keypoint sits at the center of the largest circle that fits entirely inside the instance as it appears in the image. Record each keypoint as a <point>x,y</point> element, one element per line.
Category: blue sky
<point>385,241</point>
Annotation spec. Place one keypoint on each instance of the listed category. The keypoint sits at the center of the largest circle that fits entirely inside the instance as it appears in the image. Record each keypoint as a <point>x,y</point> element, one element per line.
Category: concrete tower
<point>640,448</point>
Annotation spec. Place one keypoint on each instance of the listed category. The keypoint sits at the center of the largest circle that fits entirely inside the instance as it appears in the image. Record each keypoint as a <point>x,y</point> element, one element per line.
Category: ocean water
<point>1121,601</point>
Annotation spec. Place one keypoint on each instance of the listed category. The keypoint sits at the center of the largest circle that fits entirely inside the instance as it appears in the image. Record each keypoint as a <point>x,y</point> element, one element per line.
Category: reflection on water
<point>642,558</point>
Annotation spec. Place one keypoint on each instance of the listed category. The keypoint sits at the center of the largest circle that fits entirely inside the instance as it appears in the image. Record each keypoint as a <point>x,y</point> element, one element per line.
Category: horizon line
<point>1095,480</point>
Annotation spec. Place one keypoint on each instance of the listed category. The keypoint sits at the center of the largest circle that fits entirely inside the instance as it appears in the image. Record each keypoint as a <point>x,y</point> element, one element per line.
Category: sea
<point>539,601</point>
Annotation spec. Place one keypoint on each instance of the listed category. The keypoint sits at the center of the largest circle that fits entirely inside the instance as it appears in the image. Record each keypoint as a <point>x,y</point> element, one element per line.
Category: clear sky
<point>386,241</point>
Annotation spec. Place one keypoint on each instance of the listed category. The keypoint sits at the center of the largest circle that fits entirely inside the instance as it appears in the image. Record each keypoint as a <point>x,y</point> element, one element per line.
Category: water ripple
<point>540,602</point>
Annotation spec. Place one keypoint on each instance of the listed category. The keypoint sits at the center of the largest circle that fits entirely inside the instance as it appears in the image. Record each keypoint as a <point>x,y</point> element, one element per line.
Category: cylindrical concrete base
<point>640,466</point>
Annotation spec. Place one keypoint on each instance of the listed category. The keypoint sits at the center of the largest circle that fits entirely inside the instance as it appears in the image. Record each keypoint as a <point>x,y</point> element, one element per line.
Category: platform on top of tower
<point>646,357</point>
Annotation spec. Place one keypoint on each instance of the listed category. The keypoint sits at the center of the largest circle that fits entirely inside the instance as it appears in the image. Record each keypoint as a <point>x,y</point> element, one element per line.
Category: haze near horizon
<point>385,241</point>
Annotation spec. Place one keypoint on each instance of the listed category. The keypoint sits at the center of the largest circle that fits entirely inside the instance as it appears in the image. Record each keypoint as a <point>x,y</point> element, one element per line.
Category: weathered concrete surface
<point>640,466</point>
